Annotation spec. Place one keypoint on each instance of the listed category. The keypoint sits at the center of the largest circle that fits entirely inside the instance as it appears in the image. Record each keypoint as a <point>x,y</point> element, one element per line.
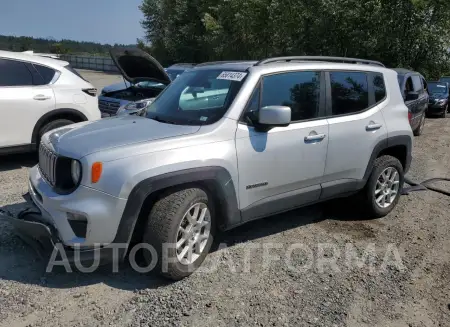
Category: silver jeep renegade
<point>224,144</point>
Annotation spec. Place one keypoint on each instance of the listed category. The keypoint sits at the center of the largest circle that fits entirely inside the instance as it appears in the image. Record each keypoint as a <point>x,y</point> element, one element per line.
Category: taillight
<point>92,92</point>
<point>409,116</point>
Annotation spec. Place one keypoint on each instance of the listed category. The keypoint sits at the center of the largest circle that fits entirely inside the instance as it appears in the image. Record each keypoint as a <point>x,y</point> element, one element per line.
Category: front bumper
<point>102,211</point>
<point>43,238</point>
<point>436,108</point>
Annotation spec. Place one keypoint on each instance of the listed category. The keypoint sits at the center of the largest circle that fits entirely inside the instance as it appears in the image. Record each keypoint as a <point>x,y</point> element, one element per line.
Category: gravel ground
<point>408,283</point>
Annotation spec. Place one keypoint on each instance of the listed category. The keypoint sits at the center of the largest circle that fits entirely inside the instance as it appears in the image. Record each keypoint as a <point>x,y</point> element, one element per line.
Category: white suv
<point>38,94</point>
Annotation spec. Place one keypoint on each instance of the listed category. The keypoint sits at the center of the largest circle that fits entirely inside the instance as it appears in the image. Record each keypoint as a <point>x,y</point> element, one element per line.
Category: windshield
<point>437,87</point>
<point>174,73</point>
<point>445,80</point>
<point>197,97</point>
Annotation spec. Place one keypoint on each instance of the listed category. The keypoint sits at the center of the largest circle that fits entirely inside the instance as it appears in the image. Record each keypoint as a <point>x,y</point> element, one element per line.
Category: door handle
<point>373,127</point>
<point>41,97</point>
<point>314,138</point>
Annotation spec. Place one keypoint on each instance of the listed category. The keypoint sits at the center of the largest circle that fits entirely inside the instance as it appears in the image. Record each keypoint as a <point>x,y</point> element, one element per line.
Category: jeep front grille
<point>47,164</point>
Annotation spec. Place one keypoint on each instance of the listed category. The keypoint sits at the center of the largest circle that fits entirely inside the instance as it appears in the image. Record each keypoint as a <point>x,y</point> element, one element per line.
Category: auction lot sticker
<point>232,76</point>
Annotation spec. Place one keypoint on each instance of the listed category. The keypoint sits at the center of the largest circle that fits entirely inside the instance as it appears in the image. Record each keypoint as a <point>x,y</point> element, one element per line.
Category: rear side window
<point>46,73</point>
<point>298,90</point>
<point>379,87</point>
<point>349,92</point>
<point>14,73</point>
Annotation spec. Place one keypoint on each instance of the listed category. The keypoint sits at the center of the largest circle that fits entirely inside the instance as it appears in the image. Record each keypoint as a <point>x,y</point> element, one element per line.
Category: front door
<point>282,168</point>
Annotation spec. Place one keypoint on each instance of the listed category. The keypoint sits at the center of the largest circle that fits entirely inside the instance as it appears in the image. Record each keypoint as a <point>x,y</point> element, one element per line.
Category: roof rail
<point>320,59</point>
<point>223,62</point>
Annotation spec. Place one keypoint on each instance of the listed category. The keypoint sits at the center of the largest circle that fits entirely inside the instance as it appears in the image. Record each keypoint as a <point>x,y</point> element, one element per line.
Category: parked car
<point>38,94</point>
<point>414,90</point>
<point>225,144</point>
<point>445,79</point>
<point>439,98</point>
<point>144,79</point>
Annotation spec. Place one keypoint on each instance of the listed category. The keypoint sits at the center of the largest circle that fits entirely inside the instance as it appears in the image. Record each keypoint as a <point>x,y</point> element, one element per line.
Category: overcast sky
<point>105,21</point>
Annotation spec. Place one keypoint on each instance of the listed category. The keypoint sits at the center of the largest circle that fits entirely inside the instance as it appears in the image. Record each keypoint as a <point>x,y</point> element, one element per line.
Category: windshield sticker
<point>203,118</point>
<point>232,76</point>
<point>441,86</point>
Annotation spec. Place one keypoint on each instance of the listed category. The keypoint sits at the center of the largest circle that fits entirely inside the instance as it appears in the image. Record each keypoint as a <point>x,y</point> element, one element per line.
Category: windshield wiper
<point>161,120</point>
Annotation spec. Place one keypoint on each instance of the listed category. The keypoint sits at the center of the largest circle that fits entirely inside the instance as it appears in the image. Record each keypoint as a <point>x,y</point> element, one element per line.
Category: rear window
<point>71,69</point>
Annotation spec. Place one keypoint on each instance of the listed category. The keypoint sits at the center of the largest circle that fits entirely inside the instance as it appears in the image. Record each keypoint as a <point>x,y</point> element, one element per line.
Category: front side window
<point>197,97</point>
<point>14,73</point>
<point>349,92</point>
<point>298,90</point>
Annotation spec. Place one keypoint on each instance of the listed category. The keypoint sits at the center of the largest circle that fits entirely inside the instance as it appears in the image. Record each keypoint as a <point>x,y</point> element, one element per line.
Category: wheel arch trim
<point>215,176</point>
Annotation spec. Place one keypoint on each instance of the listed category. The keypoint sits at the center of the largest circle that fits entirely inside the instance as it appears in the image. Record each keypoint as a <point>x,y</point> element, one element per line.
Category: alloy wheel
<point>387,187</point>
<point>193,233</point>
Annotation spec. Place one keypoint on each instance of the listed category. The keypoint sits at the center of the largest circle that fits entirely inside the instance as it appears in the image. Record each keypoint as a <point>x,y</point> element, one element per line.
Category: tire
<point>444,114</point>
<point>53,125</point>
<point>419,130</point>
<point>163,227</point>
<point>381,165</point>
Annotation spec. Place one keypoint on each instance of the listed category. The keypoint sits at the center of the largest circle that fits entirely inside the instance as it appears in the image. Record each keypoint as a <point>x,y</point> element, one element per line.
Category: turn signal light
<point>96,172</point>
<point>409,116</point>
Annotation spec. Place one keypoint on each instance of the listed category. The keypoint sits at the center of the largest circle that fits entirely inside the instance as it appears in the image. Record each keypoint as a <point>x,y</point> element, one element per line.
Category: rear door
<point>356,125</point>
<point>23,100</point>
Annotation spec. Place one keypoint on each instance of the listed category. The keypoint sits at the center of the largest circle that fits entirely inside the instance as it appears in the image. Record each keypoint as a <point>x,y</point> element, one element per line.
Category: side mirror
<point>273,116</point>
<point>411,96</point>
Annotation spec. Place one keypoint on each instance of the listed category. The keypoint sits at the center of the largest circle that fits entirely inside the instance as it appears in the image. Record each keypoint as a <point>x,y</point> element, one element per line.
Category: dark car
<point>439,98</point>
<point>445,79</point>
<point>414,90</point>
<point>144,78</point>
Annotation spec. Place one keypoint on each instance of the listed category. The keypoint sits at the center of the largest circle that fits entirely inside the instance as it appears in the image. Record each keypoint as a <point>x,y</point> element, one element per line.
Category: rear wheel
<point>383,189</point>
<point>419,130</point>
<point>180,228</point>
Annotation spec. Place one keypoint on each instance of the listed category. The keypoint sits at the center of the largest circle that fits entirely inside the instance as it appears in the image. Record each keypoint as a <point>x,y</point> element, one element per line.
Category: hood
<point>439,95</point>
<point>136,65</point>
<point>78,140</point>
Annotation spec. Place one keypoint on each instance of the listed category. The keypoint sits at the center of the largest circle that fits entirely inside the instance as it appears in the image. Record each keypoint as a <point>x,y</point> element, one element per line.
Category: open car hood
<point>136,65</point>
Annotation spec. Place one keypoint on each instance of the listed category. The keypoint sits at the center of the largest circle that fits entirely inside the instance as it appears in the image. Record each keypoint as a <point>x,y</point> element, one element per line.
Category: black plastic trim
<point>215,176</point>
<point>16,149</point>
<point>281,203</point>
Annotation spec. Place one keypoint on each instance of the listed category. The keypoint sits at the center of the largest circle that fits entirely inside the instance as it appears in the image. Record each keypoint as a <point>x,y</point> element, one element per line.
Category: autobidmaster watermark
<point>243,258</point>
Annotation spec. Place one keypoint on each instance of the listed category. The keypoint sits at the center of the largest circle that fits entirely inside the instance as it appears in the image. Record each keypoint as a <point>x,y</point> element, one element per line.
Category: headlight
<point>134,106</point>
<point>75,171</point>
<point>442,101</point>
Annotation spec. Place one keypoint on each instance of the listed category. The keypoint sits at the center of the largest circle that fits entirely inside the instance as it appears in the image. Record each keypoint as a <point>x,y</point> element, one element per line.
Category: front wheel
<point>180,228</point>
<point>444,114</point>
<point>54,124</point>
<point>383,189</point>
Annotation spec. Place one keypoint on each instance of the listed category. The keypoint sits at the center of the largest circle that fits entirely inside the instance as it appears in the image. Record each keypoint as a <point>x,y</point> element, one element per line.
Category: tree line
<point>41,45</point>
<point>412,34</point>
